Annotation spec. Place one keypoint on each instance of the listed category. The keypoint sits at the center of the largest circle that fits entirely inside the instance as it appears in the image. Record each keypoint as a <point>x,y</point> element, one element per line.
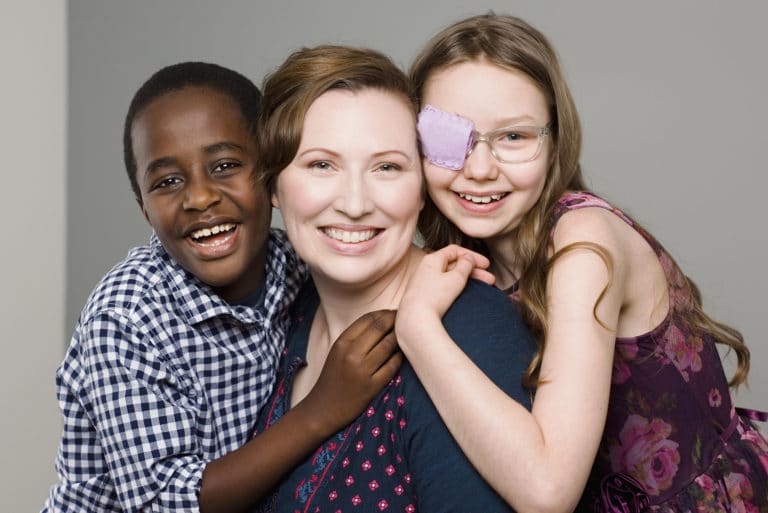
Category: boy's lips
<point>204,233</point>
<point>214,239</point>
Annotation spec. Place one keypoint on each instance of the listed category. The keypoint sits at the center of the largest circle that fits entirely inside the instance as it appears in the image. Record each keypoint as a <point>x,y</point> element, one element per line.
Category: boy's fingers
<point>389,368</point>
<point>370,328</point>
<point>382,350</point>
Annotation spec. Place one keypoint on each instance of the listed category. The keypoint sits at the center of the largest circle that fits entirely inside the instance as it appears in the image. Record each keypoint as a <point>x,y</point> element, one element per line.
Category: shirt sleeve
<point>130,438</point>
<point>488,328</point>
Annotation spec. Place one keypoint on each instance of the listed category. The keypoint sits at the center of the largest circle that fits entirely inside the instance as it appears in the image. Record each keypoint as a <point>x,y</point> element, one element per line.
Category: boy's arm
<point>131,438</point>
<point>362,360</point>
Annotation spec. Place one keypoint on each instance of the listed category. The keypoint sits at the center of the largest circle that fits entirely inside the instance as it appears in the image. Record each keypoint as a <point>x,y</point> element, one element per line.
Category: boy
<point>175,351</point>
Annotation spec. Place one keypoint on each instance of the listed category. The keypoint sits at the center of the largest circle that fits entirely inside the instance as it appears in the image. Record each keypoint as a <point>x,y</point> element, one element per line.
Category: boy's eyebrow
<point>159,163</point>
<point>210,150</point>
<point>224,145</point>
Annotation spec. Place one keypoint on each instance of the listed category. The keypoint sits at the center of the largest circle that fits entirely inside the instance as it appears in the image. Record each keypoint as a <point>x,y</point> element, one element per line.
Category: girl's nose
<point>480,164</point>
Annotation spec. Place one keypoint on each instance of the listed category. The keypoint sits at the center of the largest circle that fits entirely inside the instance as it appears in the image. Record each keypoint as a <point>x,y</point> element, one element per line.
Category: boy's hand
<point>363,359</point>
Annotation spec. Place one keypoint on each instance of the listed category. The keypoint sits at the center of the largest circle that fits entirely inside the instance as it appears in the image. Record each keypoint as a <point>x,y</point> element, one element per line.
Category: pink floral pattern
<point>645,451</point>
<point>671,428</point>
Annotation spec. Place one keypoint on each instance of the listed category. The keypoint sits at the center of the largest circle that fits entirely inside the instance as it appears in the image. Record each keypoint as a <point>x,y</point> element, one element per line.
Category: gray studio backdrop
<point>671,94</point>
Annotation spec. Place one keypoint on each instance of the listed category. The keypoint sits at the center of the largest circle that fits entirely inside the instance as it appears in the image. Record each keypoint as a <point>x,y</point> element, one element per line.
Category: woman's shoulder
<point>481,298</point>
<point>483,312</point>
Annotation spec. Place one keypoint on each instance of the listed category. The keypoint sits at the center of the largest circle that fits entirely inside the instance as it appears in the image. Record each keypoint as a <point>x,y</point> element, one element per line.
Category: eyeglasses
<point>512,145</point>
<point>447,139</point>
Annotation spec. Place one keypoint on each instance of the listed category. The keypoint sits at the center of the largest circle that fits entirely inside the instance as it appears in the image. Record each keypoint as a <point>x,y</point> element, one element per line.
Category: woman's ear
<point>275,202</point>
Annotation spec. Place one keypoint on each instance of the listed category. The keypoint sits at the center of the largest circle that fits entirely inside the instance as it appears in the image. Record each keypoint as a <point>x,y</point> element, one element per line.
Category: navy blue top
<point>398,455</point>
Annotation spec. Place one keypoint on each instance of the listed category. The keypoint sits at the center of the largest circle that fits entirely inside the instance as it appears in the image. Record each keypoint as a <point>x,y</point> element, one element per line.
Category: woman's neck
<point>342,304</point>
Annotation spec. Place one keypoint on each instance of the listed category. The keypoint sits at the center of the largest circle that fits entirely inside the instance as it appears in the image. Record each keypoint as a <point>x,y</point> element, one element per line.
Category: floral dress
<point>673,441</point>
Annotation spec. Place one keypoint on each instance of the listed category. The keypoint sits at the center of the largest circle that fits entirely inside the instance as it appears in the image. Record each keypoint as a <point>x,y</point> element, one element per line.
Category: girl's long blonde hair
<point>511,43</point>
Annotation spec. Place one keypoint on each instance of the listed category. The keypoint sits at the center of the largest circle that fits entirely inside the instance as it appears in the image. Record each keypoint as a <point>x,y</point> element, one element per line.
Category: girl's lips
<point>481,203</point>
<point>482,198</point>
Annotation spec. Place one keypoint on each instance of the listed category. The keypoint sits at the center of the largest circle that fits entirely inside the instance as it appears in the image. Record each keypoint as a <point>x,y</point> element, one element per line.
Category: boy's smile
<point>195,157</point>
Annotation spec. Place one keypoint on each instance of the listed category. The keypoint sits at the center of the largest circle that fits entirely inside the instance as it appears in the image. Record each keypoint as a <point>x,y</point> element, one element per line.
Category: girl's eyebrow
<point>514,120</point>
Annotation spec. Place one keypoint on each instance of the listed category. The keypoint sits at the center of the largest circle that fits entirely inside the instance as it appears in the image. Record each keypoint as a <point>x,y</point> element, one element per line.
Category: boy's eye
<point>166,182</point>
<point>225,166</point>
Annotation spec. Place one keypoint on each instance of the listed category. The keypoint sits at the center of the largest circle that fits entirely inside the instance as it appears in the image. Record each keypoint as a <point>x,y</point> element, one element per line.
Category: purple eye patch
<point>445,137</point>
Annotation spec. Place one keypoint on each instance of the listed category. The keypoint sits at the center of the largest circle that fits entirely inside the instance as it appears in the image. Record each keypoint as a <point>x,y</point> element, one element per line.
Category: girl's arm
<point>539,460</point>
<point>486,328</point>
<point>361,362</point>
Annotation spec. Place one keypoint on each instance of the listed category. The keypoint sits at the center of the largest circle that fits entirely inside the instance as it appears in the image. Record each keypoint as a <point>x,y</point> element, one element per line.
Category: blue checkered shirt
<point>161,377</point>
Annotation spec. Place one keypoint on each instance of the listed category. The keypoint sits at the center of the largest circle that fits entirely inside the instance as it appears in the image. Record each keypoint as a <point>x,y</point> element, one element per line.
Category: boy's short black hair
<point>188,74</point>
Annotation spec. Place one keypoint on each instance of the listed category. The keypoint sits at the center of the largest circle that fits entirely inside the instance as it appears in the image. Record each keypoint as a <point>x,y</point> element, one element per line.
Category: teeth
<point>481,199</point>
<point>349,237</point>
<point>207,232</point>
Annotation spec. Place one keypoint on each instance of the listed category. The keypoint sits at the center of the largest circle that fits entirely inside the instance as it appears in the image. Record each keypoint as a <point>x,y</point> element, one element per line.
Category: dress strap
<point>581,199</point>
<point>756,415</point>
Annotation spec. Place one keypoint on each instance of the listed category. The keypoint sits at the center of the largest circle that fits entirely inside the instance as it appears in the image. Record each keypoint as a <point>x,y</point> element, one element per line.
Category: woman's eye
<point>321,165</point>
<point>389,167</point>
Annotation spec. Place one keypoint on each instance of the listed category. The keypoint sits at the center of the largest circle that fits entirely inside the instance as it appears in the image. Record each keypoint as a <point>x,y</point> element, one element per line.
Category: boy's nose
<point>480,165</point>
<point>201,194</point>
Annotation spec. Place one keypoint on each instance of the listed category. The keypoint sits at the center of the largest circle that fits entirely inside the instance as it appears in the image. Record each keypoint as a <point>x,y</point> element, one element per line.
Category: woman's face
<point>487,198</point>
<point>351,196</point>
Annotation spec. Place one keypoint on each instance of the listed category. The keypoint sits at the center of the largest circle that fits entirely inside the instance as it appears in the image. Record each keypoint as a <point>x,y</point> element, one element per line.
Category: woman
<point>339,155</point>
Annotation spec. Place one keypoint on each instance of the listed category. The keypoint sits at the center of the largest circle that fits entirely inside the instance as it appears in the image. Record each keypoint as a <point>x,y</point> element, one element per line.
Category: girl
<point>624,347</point>
<point>339,155</point>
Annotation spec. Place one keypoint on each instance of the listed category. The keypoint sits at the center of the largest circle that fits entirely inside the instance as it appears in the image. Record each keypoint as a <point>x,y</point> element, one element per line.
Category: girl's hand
<point>363,359</point>
<point>442,275</point>
<point>437,282</point>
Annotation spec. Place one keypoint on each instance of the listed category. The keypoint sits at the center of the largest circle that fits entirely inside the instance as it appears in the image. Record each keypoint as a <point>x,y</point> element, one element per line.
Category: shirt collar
<point>283,276</point>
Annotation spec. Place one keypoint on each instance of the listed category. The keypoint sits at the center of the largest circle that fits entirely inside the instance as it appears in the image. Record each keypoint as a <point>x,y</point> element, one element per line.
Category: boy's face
<point>194,160</point>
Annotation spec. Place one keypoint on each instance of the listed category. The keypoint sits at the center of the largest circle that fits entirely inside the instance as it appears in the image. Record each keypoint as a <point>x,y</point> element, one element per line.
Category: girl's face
<point>352,194</point>
<point>486,199</point>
